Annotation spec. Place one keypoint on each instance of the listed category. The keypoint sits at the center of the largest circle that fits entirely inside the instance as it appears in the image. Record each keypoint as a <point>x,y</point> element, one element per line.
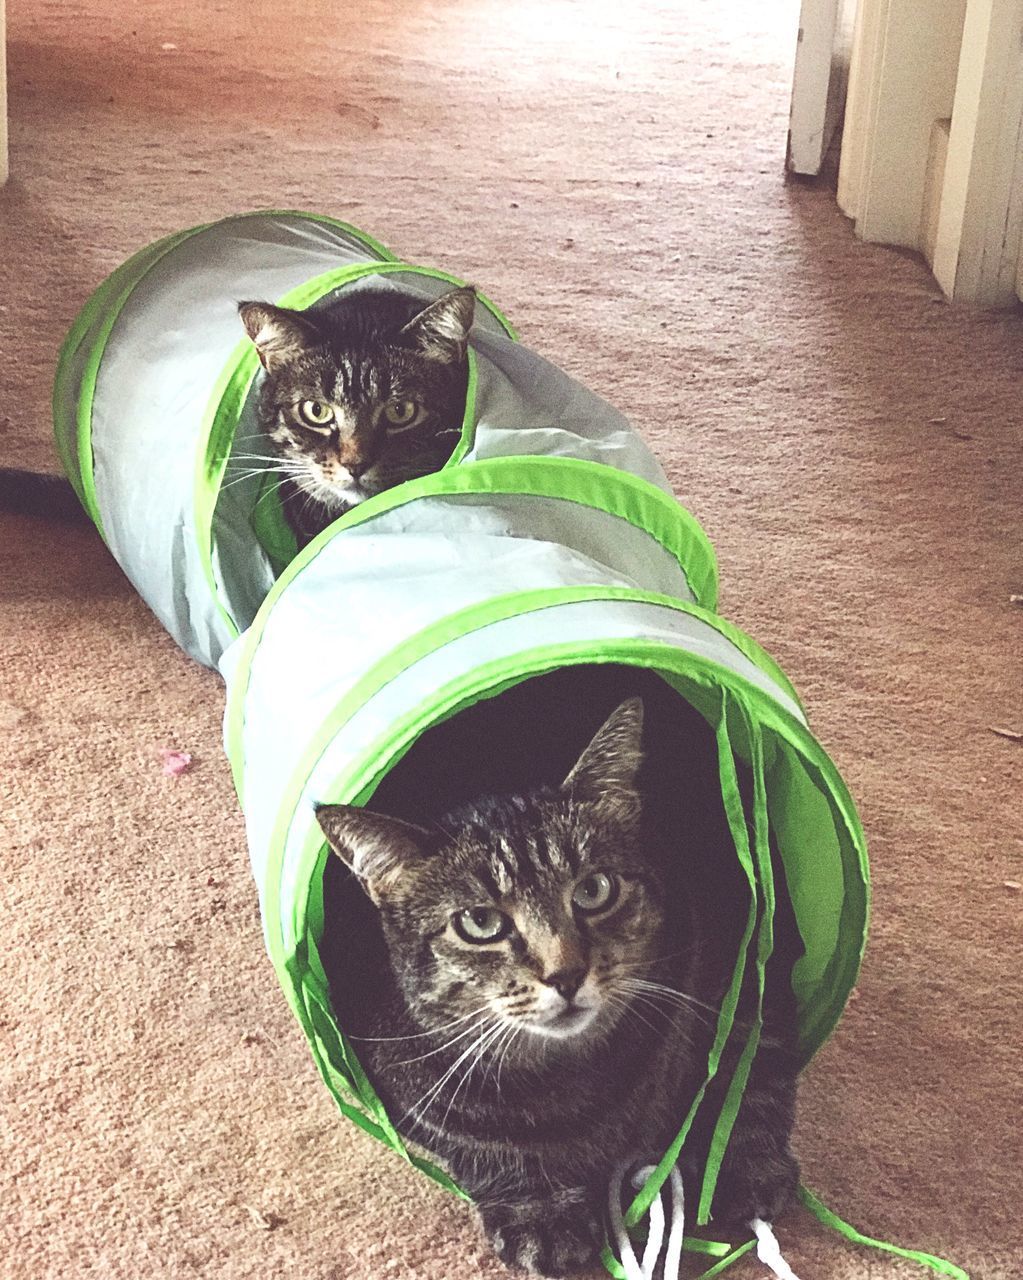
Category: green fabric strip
<point>611,1263</point>
<point>855,906</point>
<point>726,1018</point>
<point>725,1263</point>
<point>428,640</point>
<point>274,534</point>
<point>358,782</point>
<point>709,1248</point>
<point>691,1244</point>
<point>824,1215</point>
<point>359,1117</point>
<point>340,1057</point>
<point>765,942</point>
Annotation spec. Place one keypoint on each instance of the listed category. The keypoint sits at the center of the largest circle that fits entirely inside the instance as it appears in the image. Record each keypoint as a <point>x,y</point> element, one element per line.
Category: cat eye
<point>400,413</point>
<point>597,892</point>
<point>314,413</point>
<point>481,924</point>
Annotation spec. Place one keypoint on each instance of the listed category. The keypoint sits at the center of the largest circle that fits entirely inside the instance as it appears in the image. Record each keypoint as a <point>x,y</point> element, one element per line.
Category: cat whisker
<point>232,477</point>
<point>258,471</point>
<point>671,1016</point>
<point>440,1049</point>
<point>419,1109</point>
<point>495,1035</point>
<point>500,1049</point>
<point>669,992</point>
<point>516,1032</point>
<point>316,492</point>
<point>628,1009</point>
<point>257,457</point>
<point>651,999</point>
<point>658,990</point>
<point>271,490</point>
<point>652,963</point>
<point>418,1035</point>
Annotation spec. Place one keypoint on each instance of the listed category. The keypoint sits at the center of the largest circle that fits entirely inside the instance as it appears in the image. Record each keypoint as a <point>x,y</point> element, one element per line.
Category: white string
<point>673,1257</point>
<point>655,1232</point>
<point>635,1270</point>
<point>626,1253</point>
<point>769,1251</point>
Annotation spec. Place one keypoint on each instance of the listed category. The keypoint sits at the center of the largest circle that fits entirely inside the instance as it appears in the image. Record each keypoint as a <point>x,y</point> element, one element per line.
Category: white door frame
<point>818,81</point>
<point>915,63</point>
<point>977,254</point>
<point>3,96</point>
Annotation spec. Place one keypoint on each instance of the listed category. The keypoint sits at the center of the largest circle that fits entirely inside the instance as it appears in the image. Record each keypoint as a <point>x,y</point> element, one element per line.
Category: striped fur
<point>356,355</point>
<point>533,1124</point>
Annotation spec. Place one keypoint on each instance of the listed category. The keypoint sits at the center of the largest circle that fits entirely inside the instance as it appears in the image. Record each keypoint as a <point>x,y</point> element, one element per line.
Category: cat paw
<point>557,1238</point>
<point>762,1185</point>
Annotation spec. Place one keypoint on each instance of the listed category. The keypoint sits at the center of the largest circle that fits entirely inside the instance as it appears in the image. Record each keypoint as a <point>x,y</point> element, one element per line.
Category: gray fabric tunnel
<point>549,538</point>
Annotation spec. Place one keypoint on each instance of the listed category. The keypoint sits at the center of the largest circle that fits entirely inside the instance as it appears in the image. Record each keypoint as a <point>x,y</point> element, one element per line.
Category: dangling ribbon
<point>634,1269</point>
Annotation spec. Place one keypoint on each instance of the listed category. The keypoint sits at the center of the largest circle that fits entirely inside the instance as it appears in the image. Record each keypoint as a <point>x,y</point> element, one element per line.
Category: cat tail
<point>31,493</point>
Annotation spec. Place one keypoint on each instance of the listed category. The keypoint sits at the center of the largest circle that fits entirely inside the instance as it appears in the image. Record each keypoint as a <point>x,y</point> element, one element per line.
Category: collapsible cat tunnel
<point>550,538</point>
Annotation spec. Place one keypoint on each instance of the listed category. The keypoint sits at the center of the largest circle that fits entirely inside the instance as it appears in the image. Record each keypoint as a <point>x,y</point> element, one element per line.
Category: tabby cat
<point>547,968</point>
<point>360,394</point>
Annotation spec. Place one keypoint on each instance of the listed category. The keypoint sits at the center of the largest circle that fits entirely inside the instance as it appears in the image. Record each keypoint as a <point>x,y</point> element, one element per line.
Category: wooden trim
<point>861,102</point>
<point>915,86</point>
<point>933,187</point>
<point>980,228</point>
<point>815,86</point>
<point>4,168</point>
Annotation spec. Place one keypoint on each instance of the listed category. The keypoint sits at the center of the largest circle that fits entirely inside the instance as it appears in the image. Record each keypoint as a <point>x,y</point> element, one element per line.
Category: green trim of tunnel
<point>683,669</point>
<point>590,484</point>
<point>428,640</point>
<point>100,314</point>
<point>103,309</point>
<point>464,622</point>
<point>229,394</point>
<point>701,682</point>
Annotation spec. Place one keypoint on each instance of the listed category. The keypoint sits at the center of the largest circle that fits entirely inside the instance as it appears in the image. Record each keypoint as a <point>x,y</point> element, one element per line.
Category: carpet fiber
<point>611,175</point>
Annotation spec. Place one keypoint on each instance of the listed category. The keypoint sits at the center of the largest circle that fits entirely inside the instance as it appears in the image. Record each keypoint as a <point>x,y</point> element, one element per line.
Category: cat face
<point>529,914</point>
<point>364,393</point>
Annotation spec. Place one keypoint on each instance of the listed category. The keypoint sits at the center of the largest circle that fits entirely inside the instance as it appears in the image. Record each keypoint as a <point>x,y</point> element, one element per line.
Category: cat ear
<point>609,766</point>
<point>441,330</point>
<point>378,849</point>
<point>279,335</point>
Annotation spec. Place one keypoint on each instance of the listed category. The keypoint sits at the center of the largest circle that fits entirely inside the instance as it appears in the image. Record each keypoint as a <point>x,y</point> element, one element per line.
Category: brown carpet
<point>611,175</point>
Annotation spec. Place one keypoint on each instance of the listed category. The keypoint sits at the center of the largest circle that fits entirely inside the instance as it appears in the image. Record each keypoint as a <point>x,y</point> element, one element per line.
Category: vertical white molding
<point>861,102</point>
<point>811,80</point>
<point>933,188</point>
<point>3,95</point>
<point>980,227</point>
<point>916,81</point>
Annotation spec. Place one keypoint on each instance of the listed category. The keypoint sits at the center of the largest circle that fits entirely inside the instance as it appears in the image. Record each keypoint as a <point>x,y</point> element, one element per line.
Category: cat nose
<point>566,982</point>
<point>355,469</point>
